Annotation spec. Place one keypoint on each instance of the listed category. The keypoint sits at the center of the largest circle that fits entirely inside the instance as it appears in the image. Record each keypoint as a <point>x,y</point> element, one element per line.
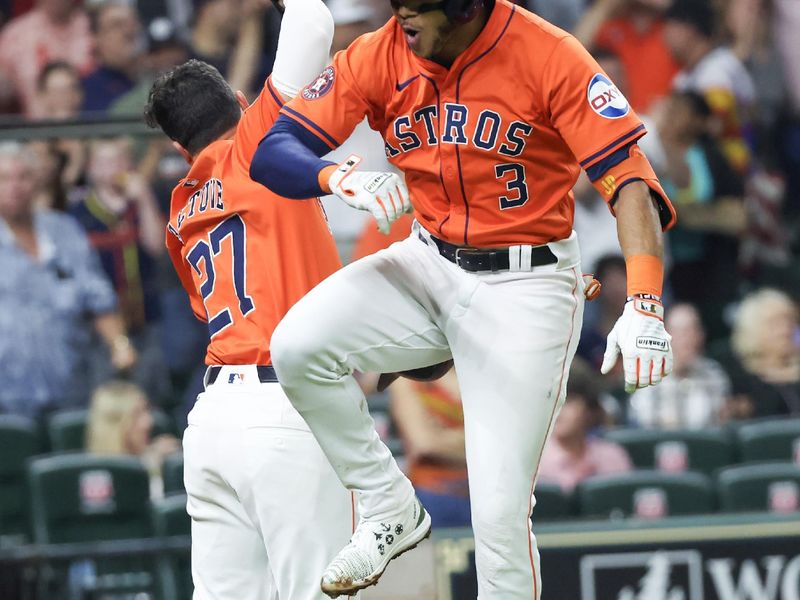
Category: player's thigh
<point>304,513</point>
<point>377,308</point>
<point>512,349</point>
<point>228,556</point>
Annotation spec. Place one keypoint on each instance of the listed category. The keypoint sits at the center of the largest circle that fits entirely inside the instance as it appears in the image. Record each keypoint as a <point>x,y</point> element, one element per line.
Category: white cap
<point>351,11</point>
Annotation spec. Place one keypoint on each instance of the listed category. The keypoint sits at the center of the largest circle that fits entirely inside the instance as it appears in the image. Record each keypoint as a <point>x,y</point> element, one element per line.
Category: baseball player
<point>490,112</point>
<point>267,508</point>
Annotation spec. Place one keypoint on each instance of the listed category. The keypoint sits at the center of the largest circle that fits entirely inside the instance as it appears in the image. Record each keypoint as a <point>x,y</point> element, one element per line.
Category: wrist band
<point>645,274</point>
<point>323,176</point>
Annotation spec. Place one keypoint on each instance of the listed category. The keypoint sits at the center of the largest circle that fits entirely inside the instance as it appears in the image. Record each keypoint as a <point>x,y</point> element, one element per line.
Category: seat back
<point>19,440</point>
<point>173,474</point>
<point>67,428</point>
<point>174,570</point>
<point>646,494</point>
<point>83,498</point>
<point>773,487</point>
<point>551,503</point>
<point>676,451</point>
<point>773,440</point>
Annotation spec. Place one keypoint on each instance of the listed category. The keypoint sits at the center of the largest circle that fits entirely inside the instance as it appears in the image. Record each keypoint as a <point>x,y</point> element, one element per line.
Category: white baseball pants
<point>512,336</point>
<point>268,512</point>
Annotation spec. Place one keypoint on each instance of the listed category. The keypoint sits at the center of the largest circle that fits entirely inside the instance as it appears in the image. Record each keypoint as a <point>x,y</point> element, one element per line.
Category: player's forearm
<point>640,238</point>
<point>288,162</point>
<point>304,45</point>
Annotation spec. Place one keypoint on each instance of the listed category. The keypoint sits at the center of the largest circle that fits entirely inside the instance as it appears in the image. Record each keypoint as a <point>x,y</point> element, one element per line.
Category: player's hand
<point>640,337</point>
<point>383,194</point>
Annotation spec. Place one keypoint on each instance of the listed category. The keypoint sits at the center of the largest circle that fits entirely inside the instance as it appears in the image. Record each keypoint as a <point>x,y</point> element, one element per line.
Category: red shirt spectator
<point>54,30</point>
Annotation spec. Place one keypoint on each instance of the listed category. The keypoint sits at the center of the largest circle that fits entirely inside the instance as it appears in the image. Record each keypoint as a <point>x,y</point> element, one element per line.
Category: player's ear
<point>242,99</point>
<point>183,152</point>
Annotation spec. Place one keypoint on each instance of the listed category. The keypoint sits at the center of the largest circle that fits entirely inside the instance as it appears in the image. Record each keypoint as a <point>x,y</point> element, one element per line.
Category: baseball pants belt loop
<point>266,374</point>
<point>477,260</point>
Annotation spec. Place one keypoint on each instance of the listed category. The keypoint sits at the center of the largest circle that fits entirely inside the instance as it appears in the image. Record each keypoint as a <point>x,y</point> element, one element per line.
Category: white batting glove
<point>383,194</point>
<point>640,336</point>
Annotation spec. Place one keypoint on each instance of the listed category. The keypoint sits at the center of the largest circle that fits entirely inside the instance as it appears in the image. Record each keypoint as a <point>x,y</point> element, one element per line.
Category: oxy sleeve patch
<point>605,98</point>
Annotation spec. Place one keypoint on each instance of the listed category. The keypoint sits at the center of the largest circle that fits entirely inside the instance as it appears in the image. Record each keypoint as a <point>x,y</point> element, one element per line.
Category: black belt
<point>266,374</point>
<point>475,260</point>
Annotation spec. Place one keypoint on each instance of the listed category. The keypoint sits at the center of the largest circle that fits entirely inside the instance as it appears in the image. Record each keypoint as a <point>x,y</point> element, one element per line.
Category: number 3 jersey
<point>244,254</point>
<point>491,146</point>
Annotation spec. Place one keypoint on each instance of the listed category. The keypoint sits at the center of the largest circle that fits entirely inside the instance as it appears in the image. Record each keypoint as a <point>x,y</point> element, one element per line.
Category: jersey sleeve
<point>588,110</point>
<point>257,120</point>
<point>349,89</point>
<point>174,246</point>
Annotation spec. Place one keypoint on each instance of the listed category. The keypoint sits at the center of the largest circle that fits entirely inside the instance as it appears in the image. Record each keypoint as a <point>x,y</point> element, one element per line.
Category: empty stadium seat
<point>646,494</point>
<point>172,472</point>
<point>67,428</point>
<point>174,570</point>
<point>551,503</point>
<point>772,487</point>
<point>19,440</point>
<point>82,498</point>
<point>773,440</point>
<point>675,451</point>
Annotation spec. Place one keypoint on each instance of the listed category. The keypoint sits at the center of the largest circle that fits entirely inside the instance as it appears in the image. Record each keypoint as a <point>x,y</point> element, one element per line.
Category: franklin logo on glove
<point>651,343</point>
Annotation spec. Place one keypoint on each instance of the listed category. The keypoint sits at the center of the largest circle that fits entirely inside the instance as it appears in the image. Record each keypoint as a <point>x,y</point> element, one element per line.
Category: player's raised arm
<point>304,45</point>
<point>317,121</point>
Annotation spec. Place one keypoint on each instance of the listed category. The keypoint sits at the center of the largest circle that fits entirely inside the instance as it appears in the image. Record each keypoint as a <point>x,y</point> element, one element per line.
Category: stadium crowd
<point>88,295</point>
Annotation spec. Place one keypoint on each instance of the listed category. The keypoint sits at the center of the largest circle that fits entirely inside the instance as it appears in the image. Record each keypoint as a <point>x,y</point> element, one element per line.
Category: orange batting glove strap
<point>645,275</point>
<point>324,176</point>
<point>635,168</point>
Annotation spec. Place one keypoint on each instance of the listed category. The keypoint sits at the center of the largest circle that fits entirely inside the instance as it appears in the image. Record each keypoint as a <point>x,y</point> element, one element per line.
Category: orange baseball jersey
<point>244,254</point>
<point>492,146</point>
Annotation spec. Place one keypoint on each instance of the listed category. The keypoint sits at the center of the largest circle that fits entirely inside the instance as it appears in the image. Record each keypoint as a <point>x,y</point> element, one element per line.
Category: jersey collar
<point>494,29</point>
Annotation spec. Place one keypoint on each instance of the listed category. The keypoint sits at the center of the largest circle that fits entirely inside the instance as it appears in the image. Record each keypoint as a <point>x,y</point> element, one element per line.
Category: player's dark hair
<point>193,105</point>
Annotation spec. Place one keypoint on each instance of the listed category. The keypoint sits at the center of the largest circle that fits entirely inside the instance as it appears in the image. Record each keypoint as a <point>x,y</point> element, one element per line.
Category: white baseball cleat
<point>374,543</point>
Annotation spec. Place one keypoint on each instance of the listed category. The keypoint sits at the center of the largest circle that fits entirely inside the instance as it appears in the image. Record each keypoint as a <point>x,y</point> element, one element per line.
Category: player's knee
<point>293,351</point>
<point>498,523</point>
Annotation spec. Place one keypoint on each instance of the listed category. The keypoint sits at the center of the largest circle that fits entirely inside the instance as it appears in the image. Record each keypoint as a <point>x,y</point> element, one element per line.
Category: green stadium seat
<point>173,474</point>
<point>67,428</point>
<point>83,498</point>
<point>174,570</point>
<point>773,487</point>
<point>676,451</point>
<point>80,497</point>
<point>772,440</point>
<point>646,494</point>
<point>551,503</point>
<point>19,440</point>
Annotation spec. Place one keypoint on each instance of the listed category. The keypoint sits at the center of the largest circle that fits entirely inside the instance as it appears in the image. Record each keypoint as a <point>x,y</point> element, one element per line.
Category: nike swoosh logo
<point>401,86</point>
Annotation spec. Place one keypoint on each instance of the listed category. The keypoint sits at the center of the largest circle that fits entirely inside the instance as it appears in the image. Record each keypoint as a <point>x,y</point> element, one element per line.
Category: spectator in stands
<point>50,192</point>
<point>121,216</point>
<point>430,420</point>
<point>765,363</point>
<point>715,72</point>
<point>54,30</point>
<point>121,422</point>
<point>572,453</point>
<point>633,29</point>
<point>118,49</point>
<point>599,318</point>
<point>698,391</point>
<point>708,196</point>
<point>52,282</point>
<point>229,34</point>
<point>60,96</point>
